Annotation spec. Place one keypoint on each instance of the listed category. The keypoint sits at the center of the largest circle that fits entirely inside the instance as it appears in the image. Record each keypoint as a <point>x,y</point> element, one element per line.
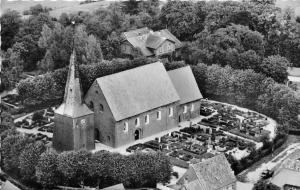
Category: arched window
<point>146,119</point>
<point>137,122</point>
<point>193,107</point>
<point>101,108</point>
<point>125,129</point>
<point>184,109</point>
<point>158,115</point>
<point>170,111</point>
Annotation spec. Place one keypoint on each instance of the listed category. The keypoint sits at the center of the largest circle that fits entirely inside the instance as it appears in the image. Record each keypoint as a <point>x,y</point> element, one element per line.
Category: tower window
<point>184,109</point>
<point>147,119</point>
<point>125,129</point>
<point>158,115</point>
<point>101,108</point>
<point>170,111</point>
<point>92,105</point>
<point>108,138</point>
<point>137,122</point>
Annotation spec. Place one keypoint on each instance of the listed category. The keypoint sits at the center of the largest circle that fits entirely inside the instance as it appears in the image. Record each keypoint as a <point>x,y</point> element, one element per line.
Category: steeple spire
<point>73,96</point>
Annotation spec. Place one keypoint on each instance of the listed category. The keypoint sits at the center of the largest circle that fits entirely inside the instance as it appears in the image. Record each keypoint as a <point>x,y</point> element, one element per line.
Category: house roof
<point>136,32</point>
<point>139,43</point>
<point>7,185</point>
<point>294,71</point>
<point>72,105</point>
<point>185,84</point>
<point>154,41</point>
<point>138,90</point>
<point>144,38</point>
<point>167,34</point>
<point>213,173</point>
<point>281,179</point>
<point>115,187</point>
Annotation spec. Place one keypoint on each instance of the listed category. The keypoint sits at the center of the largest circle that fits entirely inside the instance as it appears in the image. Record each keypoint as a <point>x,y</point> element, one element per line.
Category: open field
<point>69,6</point>
<point>289,3</point>
<point>59,6</point>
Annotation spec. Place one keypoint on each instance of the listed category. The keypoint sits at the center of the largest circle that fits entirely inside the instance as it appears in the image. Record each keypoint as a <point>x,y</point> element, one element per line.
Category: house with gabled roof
<point>212,174</point>
<point>126,106</point>
<point>149,43</point>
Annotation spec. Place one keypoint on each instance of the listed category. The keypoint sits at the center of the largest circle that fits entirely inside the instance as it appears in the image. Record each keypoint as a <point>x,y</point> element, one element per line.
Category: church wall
<point>189,114</point>
<point>63,133</point>
<point>104,121</point>
<point>125,136</point>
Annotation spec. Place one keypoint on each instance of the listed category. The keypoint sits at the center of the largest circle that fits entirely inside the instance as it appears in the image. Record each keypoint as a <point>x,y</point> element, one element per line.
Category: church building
<point>126,106</point>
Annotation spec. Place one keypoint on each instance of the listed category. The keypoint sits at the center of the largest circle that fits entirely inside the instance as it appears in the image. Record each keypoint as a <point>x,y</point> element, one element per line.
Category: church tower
<point>74,121</point>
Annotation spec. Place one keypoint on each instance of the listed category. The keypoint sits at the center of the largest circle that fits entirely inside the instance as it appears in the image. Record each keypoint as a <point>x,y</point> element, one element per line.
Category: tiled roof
<point>144,38</point>
<point>139,43</point>
<point>286,177</point>
<point>167,34</point>
<point>72,105</point>
<point>154,41</point>
<point>213,173</point>
<point>294,71</point>
<point>138,90</point>
<point>136,32</point>
<point>185,84</point>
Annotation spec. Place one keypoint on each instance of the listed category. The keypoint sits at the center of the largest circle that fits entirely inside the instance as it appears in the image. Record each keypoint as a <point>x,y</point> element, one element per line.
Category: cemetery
<point>223,129</point>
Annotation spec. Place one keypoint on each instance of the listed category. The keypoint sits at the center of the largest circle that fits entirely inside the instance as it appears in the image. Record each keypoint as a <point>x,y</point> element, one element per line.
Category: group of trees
<point>28,159</point>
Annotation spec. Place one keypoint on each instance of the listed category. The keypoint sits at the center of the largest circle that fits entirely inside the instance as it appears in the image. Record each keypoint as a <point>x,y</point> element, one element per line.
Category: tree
<point>46,170</point>
<point>10,24</point>
<point>181,19</point>
<point>275,67</point>
<point>263,185</point>
<point>29,160</point>
<point>37,9</point>
<point>12,147</point>
<point>28,35</point>
<point>74,166</point>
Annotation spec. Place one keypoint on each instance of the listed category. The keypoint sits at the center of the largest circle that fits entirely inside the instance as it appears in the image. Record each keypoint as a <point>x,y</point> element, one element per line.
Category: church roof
<point>212,174</point>
<point>185,84</point>
<point>138,90</point>
<point>115,187</point>
<point>73,105</point>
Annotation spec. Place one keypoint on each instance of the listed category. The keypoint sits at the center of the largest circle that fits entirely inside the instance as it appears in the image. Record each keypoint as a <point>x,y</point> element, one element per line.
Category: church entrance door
<point>97,134</point>
<point>137,134</point>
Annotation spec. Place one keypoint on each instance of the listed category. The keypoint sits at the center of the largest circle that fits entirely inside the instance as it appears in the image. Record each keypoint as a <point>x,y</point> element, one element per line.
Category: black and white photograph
<point>150,95</point>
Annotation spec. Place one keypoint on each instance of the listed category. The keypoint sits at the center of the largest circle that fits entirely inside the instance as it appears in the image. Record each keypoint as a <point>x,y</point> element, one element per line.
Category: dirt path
<point>292,144</point>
